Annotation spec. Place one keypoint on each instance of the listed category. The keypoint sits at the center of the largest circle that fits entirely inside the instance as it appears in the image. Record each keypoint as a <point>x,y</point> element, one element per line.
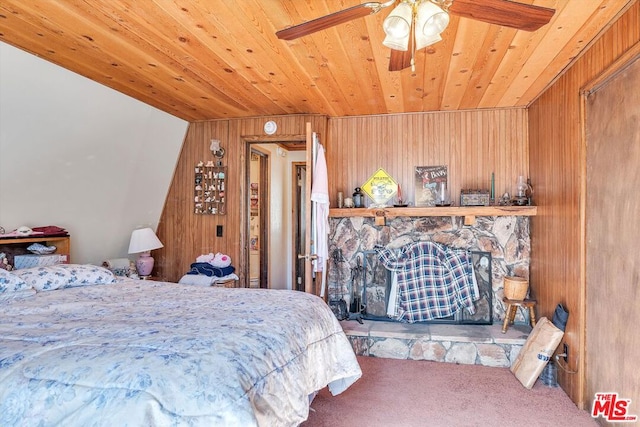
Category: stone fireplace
<point>502,241</point>
<point>373,287</point>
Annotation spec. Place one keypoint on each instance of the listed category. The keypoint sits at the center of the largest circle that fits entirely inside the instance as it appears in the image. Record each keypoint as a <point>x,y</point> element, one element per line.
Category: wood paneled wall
<point>187,235</point>
<point>472,144</point>
<point>557,165</point>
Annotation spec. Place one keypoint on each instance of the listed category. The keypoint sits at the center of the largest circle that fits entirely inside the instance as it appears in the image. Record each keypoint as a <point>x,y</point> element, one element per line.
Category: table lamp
<point>143,241</point>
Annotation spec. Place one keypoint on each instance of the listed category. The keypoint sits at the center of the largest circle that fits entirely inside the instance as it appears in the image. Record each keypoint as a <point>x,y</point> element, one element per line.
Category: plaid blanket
<point>434,281</point>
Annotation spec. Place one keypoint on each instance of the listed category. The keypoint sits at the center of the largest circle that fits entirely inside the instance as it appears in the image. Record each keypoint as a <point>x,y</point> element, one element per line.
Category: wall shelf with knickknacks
<point>209,189</point>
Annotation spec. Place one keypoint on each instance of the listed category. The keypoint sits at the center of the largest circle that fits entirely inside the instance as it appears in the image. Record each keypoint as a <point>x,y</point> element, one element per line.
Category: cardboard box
<point>28,261</point>
<point>536,352</point>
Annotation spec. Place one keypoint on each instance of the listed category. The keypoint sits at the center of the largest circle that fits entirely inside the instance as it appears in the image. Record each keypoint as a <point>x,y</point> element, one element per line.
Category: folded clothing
<point>202,280</point>
<point>50,230</point>
<point>209,270</point>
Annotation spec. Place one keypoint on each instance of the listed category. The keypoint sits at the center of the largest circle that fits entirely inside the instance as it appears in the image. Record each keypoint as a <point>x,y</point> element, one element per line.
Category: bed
<point>80,347</point>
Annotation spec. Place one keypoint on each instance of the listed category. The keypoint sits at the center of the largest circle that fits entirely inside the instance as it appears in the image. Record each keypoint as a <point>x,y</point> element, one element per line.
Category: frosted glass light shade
<point>398,24</point>
<point>430,19</point>
<point>423,41</point>
<point>401,43</point>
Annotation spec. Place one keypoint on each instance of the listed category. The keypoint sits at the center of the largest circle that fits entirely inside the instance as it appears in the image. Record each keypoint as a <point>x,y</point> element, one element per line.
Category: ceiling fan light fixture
<point>423,41</point>
<point>398,23</point>
<point>397,43</point>
<point>431,20</point>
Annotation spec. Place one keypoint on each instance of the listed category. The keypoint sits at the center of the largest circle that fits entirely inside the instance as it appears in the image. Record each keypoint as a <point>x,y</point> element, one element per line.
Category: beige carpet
<point>402,393</point>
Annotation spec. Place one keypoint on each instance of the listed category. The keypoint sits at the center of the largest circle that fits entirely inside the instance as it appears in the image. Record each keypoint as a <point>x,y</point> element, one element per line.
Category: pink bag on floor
<point>536,352</point>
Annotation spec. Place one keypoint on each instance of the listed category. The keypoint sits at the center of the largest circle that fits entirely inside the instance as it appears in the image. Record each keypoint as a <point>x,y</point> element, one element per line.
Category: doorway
<point>299,189</point>
<point>269,213</point>
<point>258,219</point>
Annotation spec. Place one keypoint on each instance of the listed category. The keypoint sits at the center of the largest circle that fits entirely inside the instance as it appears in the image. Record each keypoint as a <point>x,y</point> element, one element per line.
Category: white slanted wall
<point>79,155</point>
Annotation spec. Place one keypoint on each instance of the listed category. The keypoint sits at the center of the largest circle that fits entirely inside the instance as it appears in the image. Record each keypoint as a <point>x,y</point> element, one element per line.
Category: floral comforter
<point>148,353</point>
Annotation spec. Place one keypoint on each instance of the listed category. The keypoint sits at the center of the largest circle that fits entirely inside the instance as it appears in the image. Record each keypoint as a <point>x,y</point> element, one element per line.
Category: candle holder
<point>400,203</point>
<point>442,195</point>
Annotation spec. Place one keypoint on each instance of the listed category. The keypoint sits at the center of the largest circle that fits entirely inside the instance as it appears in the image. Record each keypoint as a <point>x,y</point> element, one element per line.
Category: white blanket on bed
<point>152,353</point>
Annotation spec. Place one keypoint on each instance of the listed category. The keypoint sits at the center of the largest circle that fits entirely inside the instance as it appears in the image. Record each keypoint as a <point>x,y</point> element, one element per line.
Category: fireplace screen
<point>376,284</point>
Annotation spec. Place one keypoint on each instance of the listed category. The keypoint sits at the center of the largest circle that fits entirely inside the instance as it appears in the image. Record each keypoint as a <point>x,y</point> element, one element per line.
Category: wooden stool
<point>510,311</point>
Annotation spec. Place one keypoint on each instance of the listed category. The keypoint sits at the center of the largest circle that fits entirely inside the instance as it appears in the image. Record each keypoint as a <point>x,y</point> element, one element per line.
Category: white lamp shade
<point>398,23</point>
<point>430,19</point>
<point>144,240</point>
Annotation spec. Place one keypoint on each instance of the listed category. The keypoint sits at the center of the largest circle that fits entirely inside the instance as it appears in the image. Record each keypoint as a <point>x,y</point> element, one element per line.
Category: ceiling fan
<point>427,19</point>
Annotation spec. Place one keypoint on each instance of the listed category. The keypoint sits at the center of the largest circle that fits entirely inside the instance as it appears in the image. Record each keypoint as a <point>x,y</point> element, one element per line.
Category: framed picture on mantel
<point>427,179</point>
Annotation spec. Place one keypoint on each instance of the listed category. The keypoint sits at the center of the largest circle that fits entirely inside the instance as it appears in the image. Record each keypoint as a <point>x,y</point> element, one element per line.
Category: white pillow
<point>10,282</point>
<point>61,276</point>
<point>87,274</point>
<point>44,278</point>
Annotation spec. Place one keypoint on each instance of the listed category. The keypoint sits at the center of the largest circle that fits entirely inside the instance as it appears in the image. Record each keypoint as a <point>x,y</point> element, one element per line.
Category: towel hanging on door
<point>320,200</point>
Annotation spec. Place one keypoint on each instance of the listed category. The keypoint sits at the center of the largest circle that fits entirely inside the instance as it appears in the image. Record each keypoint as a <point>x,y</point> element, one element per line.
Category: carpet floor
<point>408,393</point>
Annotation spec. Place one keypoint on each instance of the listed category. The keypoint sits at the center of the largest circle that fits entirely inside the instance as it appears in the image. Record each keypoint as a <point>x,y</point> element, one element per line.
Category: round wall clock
<point>270,127</point>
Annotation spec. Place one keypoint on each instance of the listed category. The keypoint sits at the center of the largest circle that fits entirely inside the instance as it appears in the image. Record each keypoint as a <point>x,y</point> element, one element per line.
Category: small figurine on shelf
<point>4,262</point>
<point>505,200</point>
<point>133,272</point>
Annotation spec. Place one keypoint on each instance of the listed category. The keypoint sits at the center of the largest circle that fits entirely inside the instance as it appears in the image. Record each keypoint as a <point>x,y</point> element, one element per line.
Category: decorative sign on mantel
<point>427,180</point>
<point>380,188</point>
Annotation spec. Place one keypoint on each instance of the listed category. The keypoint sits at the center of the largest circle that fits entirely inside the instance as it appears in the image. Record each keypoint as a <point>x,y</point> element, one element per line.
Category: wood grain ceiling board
<point>38,36</point>
<point>467,48</point>
<point>603,14</point>
<point>201,60</point>
<point>538,52</point>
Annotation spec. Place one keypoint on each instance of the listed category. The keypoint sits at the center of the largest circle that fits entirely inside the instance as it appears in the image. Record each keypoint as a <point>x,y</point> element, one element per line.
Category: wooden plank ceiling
<point>210,59</point>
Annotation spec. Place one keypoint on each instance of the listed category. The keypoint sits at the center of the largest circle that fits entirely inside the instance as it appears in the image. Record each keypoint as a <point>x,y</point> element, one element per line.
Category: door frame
<point>297,201</point>
<point>264,212</point>
<point>247,141</point>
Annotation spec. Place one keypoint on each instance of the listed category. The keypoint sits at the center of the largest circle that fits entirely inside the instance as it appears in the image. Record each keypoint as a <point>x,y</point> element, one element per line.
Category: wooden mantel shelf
<point>469,212</point>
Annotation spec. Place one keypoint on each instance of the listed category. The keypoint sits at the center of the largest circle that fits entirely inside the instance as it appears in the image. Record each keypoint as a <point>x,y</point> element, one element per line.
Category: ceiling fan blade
<point>399,60</point>
<point>503,12</point>
<point>331,20</point>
